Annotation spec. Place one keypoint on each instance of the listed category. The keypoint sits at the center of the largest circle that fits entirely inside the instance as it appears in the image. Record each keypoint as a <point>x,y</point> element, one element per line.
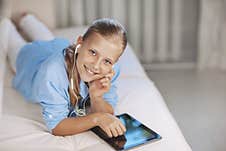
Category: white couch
<point>22,127</point>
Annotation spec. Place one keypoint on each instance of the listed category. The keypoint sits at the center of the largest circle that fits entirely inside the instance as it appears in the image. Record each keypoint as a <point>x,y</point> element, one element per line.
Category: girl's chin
<point>85,79</point>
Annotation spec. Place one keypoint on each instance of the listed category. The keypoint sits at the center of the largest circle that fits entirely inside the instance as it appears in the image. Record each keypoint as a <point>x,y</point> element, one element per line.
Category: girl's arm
<point>107,122</point>
<point>97,88</point>
<point>71,126</point>
<point>100,105</point>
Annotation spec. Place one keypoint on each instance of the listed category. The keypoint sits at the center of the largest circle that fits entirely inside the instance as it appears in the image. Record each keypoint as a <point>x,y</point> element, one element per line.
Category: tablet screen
<point>136,134</point>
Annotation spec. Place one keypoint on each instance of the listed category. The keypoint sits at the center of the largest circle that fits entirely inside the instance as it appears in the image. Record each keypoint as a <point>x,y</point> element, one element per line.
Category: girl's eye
<point>92,52</point>
<point>108,62</point>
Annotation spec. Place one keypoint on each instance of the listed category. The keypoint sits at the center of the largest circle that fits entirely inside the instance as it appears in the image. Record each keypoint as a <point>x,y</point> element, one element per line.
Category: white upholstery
<point>2,72</point>
<point>22,127</point>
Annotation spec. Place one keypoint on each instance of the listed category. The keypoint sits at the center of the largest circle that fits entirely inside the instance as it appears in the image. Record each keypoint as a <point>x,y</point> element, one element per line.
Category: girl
<point>64,78</point>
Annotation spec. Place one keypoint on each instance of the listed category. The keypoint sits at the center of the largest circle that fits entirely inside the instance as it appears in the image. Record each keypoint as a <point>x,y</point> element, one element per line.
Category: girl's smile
<point>89,71</point>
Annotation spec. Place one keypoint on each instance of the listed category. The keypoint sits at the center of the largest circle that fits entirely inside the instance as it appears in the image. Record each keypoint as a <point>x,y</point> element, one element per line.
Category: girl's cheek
<point>90,60</point>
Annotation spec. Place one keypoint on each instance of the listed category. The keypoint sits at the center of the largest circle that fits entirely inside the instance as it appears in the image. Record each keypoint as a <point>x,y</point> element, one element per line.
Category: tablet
<point>136,134</point>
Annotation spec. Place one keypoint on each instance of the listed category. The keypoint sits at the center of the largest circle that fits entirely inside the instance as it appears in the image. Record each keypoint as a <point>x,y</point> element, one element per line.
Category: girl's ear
<point>79,39</point>
<point>79,42</point>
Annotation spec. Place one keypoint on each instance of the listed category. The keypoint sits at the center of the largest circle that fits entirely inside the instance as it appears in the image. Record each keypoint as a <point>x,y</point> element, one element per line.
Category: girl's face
<point>96,56</point>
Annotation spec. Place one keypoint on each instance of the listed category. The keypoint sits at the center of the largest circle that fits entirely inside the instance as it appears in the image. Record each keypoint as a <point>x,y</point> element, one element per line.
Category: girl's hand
<point>100,86</point>
<point>110,124</point>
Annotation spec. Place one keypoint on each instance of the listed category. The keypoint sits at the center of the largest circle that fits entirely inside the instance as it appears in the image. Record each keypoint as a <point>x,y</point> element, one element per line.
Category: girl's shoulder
<point>60,43</point>
<point>51,79</point>
<point>52,45</point>
<point>53,70</point>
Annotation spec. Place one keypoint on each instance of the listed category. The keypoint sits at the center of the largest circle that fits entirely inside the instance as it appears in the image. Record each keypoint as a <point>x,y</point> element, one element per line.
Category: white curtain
<point>212,35</point>
<point>160,31</point>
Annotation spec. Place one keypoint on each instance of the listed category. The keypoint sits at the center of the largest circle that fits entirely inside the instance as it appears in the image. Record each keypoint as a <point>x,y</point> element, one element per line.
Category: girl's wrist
<point>94,117</point>
<point>95,98</point>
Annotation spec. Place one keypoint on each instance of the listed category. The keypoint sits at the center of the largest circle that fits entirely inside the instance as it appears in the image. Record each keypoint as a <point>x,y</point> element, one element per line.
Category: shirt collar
<point>84,90</point>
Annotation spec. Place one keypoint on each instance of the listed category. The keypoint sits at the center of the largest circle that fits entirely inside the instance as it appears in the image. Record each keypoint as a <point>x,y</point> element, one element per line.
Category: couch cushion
<point>130,65</point>
<point>22,134</point>
<point>137,96</point>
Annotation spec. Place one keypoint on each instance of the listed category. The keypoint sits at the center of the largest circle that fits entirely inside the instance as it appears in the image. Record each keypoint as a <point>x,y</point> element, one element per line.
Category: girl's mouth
<point>89,71</point>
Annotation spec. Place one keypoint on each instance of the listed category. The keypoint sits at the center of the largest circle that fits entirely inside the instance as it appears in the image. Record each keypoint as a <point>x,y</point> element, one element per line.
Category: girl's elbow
<point>57,132</point>
<point>60,129</point>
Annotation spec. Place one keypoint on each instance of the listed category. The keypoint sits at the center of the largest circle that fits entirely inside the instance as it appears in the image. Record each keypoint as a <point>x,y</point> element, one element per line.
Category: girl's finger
<point>111,74</point>
<point>114,132</point>
<point>105,84</point>
<point>119,130</point>
<point>104,80</point>
<point>108,132</point>
<point>108,77</point>
<point>96,77</point>
<point>123,128</point>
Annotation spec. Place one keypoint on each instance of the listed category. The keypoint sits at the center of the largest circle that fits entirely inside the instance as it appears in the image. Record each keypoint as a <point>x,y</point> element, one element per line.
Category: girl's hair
<point>107,28</point>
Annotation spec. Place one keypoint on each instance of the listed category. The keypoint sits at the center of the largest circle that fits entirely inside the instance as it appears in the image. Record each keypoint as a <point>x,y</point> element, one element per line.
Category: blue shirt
<point>41,77</point>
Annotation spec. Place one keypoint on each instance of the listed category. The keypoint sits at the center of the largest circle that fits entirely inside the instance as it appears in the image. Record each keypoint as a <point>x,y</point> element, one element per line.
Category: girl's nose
<point>96,66</point>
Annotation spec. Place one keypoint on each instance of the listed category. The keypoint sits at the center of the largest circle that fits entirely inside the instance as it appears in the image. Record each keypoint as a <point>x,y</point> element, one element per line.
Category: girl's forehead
<point>97,38</point>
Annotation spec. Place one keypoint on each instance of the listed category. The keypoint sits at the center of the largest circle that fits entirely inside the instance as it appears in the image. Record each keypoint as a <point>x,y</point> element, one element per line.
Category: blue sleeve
<point>50,91</point>
<point>41,77</point>
<point>54,106</point>
<point>111,96</point>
